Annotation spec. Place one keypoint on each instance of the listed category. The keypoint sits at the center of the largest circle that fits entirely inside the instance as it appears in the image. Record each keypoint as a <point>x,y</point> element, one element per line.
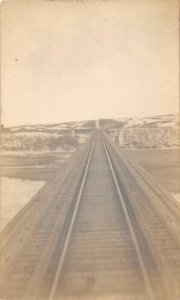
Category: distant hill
<point>139,133</point>
<point>46,137</point>
<point>157,132</point>
<point>54,128</point>
<point>170,120</point>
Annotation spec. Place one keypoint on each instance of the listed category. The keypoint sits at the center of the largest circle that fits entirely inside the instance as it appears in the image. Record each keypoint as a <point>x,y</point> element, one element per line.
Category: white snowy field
<point>57,126</point>
<point>153,121</point>
<point>15,193</point>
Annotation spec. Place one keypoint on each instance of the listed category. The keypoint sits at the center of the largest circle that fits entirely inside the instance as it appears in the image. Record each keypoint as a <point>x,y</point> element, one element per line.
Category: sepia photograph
<point>90,150</point>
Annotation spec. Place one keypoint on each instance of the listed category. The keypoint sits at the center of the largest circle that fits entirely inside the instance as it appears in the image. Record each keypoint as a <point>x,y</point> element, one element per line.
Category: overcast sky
<point>75,60</point>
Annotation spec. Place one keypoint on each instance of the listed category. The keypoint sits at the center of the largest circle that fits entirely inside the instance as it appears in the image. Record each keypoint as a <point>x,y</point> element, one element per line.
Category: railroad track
<point>95,239</point>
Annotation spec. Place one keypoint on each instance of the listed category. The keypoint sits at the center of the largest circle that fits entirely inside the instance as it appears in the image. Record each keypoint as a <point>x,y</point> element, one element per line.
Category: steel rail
<point>68,236</point>
<point>130,226</point>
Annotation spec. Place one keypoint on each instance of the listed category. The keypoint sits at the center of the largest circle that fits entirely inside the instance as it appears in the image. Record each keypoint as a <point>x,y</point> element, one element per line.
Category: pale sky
<point>73,60</point>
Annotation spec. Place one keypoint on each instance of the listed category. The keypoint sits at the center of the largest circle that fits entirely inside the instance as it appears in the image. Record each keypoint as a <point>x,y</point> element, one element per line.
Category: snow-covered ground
<point>33,134</point>
<point>15,193</point>
<point>152,121</point>
<point>48,126</point>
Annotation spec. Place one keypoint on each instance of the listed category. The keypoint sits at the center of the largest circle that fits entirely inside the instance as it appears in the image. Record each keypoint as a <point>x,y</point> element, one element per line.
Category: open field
<point>163,166</point>
<point>35,166</point>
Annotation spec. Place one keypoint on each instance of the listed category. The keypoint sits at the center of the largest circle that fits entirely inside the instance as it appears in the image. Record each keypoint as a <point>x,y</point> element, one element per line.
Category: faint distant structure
<point>97,124</point>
